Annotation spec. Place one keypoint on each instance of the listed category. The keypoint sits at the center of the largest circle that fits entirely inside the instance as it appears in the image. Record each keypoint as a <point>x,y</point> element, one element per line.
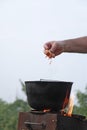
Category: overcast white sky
<point>25,25</point>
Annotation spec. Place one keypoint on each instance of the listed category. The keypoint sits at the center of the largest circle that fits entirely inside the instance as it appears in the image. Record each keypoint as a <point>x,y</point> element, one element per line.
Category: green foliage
<point>23,86</point>
<point>9,112</point>
<point>81,107</point>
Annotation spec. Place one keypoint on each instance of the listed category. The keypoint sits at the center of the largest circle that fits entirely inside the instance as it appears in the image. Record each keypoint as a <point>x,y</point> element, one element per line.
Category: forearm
<point>78,45</point>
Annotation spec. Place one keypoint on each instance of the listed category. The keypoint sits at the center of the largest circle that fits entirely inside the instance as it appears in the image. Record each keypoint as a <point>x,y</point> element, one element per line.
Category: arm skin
<point>78,45</point>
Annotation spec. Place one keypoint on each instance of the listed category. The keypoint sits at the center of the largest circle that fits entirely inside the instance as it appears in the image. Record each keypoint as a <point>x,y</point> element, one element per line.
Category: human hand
<point>53,48</point>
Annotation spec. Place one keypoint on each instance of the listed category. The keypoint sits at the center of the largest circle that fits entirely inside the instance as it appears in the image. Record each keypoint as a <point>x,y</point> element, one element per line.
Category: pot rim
<point>48,81</point>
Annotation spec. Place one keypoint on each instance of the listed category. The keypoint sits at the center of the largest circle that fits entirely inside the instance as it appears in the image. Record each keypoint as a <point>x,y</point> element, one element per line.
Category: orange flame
<point>70,107</point>
<point>46,110</point>
<point>65,100</point>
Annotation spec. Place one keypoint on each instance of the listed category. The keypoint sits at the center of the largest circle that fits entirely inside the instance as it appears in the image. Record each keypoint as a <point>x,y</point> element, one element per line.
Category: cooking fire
<point>52,107</point>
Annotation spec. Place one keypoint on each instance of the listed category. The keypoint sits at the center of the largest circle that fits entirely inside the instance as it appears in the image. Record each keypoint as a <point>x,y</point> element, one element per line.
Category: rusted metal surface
<point>31,121</point>
<point>50,121</point>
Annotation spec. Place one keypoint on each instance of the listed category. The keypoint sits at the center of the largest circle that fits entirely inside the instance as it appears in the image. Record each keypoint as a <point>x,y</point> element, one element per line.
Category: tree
<point>81,107</point>
<point>9,112</point>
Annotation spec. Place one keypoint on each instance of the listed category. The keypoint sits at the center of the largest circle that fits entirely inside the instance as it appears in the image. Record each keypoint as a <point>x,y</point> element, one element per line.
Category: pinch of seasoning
<point>49,54</point>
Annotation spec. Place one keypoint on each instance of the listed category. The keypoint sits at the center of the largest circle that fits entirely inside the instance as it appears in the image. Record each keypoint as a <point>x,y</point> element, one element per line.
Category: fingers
<point>49,54</point>
<point>47,46</point>
<point>53,48</point>
<point>48,50</point>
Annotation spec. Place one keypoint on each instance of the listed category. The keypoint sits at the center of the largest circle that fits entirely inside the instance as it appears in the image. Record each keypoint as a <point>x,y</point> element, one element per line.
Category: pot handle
<point>34,125</point>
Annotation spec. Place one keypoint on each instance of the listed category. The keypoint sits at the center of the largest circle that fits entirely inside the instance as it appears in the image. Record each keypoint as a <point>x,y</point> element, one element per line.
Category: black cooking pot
<point>53,95</point>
